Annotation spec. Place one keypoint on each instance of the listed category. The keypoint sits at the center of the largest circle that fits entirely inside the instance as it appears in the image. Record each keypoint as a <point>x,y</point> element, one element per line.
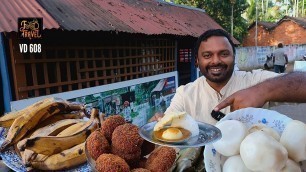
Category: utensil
<point>208,134</point>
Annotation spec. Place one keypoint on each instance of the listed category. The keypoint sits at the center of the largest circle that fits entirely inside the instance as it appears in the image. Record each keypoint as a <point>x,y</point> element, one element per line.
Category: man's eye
<point>206,56</point>
<point>225,54</point>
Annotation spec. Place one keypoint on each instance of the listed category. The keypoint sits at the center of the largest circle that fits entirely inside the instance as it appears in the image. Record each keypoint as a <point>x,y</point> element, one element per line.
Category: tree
<point>220,11</point>
<point>267,11</point>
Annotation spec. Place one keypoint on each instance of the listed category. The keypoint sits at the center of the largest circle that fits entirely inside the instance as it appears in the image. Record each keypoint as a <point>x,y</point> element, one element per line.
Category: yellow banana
<point>7,119</point>
<point>71,129</point>
<point>30,119</point>
<point>76,107</point>
<point>55,128</point>
<point>49,145</point>
<point>58,117</point>
<point>63,160</point>
<point>50,130</point>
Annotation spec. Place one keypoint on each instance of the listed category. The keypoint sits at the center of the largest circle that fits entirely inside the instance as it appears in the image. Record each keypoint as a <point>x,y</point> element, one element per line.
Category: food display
<point>176,122</point>
<point>179,130</point>
<point>293,139</point>
<point>97,144</point>
<point>261,152</point>
<point>111,162</point>
<point>176,128</point>
<point>126,150</point>
<point>172,134</point>
<point>229,145</point>
<point>47,135</point>
<point>161,159</point>
<point>267,141</point>
<point>234,164</point>
<point>268,130</point>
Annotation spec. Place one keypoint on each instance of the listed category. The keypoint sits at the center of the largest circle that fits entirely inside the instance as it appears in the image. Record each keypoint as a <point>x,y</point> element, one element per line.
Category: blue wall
<point>5,88</point>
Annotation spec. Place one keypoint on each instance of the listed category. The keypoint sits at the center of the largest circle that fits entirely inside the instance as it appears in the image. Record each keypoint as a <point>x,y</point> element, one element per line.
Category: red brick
<point>287,32</point>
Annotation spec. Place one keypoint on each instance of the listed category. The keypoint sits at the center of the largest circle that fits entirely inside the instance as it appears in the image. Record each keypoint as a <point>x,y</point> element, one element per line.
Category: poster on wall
<point>136,100</point>
<point>136,103</point>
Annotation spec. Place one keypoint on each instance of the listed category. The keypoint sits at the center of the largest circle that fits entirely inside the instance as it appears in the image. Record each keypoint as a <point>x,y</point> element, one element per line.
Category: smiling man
<point>221,88</point>
<point>216,59</point>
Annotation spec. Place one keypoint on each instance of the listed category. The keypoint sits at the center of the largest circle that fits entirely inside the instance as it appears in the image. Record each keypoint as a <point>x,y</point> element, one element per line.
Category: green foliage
<point>220,11</point>
<point>143,91</point>
<point>266,11</point>
<point>117,91</point>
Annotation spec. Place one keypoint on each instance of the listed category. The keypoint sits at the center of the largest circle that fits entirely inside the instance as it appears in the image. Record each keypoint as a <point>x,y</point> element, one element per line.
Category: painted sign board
<point>137,100</point>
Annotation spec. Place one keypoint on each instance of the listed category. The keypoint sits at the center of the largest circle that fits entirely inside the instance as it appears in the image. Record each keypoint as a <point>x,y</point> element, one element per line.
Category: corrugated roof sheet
<point>10,10</point>
<point>132,16</point>
<point>83,15</point>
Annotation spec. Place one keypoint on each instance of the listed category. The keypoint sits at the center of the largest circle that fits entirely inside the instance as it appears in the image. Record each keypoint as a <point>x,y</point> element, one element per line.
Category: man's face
<point>216,59</point>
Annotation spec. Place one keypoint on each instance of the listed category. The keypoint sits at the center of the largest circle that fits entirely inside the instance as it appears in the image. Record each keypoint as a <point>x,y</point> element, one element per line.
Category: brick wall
<point>288,32</point>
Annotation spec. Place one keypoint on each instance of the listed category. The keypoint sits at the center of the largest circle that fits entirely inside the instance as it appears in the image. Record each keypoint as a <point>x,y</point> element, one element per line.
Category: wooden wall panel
<point>67,68</point>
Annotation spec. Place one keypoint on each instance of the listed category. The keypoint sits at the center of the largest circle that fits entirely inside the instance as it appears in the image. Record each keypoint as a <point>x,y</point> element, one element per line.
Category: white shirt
<point>198,98</point>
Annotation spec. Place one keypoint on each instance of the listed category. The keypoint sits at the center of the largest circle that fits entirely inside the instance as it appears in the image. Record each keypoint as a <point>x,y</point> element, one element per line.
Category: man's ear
<point>196,62</point>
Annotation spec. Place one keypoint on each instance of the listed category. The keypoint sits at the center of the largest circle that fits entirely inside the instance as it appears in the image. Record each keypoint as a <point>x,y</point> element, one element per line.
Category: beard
<point>218,73</point>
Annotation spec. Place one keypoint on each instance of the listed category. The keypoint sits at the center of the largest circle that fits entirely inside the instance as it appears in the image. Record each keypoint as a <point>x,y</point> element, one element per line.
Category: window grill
<point>65,68</point>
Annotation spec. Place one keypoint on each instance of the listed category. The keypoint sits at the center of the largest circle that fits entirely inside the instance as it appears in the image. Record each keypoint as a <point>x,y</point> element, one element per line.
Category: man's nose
<point>216,59</point>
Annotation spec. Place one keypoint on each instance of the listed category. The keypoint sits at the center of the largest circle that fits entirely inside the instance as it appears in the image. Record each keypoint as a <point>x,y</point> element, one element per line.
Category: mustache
<point>218,65</point>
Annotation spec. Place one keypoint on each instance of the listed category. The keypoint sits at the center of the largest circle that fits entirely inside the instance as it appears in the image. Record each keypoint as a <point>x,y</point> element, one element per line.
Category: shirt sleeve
<point>260,75</point>
<point>177,102</point>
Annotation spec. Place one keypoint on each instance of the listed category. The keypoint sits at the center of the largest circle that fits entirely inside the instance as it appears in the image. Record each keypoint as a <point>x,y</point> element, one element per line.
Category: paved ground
<point>294,111</point>
<point>289,67</point>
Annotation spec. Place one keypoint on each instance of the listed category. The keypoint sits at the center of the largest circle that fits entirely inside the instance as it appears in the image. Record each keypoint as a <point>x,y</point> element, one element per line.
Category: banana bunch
<point>49,134</point>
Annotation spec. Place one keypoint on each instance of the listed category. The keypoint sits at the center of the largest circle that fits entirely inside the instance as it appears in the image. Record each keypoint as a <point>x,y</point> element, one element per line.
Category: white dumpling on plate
<point>291,166</point>
<point>262,127</point>
<point>261,152</point>
<point>294,140</point>
<point>233,132</point>
<point>188,123</point>
<point>235,164</point>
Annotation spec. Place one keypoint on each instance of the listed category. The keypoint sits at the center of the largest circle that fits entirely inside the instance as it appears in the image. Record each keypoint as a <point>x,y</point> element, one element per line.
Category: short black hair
<point>213,32</point>
<point>280,45</point>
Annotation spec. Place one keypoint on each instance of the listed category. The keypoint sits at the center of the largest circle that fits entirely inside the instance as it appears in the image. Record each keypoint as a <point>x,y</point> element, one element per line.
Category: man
<point>280,59</point>
<point>127,111</point>
<point>215,57</point>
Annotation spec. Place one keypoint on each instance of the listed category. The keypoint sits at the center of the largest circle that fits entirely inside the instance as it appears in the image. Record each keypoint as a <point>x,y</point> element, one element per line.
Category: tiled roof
<point>270,25</point>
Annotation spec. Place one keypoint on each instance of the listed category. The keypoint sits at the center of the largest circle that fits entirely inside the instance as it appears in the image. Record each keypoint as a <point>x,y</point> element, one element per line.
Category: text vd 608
<point>31,48</point>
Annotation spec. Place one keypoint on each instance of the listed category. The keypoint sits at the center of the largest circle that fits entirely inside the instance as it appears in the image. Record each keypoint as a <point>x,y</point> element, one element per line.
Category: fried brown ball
<point>131,158</point>
<point>161,159</point>
<point>111,163</point>
<point>109,125</point>
<point>126,138</point>
<point>147,148</point>
<point>140,170</point>
<point>142,162</point>
<point>97,144</point>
